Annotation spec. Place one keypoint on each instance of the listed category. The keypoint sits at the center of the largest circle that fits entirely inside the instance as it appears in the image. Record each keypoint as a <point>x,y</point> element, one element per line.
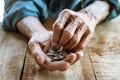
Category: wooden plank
<point>104,51</point>
<point>82,70</point>
<point>12,52</point>
<point>103,59</point>
<point>87,67</point>
<point>29,67</point>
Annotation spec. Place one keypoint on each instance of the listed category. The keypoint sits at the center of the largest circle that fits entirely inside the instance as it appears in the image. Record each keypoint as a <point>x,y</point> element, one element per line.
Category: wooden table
<point>101,60</point>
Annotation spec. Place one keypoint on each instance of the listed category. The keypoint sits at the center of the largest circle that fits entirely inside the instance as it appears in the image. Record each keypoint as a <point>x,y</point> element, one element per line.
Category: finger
<point>37,52</point>
<point>46,59</point>
<point>79,55</point>
<point>56,65</point>
<point>47,44</point>
<point>59,25</point>
<point>71,58</point>
<point>84,40</point>
<point>76,38</point>
<point>45,47</point>
<point>68,32</point>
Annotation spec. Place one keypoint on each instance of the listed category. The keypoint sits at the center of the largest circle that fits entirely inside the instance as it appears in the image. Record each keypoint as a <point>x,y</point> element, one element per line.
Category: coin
<point>58,58</point>
<point>50,53</point>
<point>55,48</point>
<point>57,54</point>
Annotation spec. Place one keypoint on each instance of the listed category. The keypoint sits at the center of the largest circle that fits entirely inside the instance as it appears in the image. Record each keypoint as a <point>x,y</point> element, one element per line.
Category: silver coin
<point>56,53</point>
<point>50,54</point>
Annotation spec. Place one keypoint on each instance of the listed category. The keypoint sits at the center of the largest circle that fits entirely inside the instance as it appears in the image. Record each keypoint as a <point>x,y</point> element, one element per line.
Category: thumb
<point>37,52</point>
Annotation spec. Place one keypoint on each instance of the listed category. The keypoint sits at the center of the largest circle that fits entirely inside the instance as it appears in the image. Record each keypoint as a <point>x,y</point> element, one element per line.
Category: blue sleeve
<point>114,9</point>
<point>18,9</point>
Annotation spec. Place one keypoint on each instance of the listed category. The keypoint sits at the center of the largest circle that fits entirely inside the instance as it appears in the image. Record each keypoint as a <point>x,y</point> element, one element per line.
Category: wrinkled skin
<point>72,30</point>
<point>38,47</point>
<point>69,31</point>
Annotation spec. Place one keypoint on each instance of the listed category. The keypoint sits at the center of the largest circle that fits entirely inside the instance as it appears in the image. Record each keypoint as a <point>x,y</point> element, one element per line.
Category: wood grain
<point>12,52</point>
<point>104,51</point>
<point>101,60</point>
<point>29,67</point>
<point>78,71</point>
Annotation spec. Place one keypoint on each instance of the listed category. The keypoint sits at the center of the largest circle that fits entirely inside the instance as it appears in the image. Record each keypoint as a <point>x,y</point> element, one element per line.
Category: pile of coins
<point>56,53</point>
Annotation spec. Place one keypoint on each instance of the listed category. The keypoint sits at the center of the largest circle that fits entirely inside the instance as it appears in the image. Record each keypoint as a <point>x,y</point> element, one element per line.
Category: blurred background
<point>1,9</point>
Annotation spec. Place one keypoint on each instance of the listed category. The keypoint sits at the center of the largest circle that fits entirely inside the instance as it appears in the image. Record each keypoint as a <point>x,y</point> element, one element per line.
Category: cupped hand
<point>38,45</point>
<point>72,30</point>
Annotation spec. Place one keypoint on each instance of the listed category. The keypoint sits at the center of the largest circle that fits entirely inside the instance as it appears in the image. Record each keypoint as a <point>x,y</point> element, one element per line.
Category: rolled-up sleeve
<point>114,7</point>
<point>42,9</point>
<point>18,9</point>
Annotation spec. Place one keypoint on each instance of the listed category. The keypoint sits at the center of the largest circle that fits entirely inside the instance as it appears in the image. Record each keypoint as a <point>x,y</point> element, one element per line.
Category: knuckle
<point>87,31</point>
<point>66,11</point>
<point>80,21</point>
<point>73,16</point>
<point>68,34</point>
<point>57,26</point>
<point>90,30</point>
<point>75,41</point>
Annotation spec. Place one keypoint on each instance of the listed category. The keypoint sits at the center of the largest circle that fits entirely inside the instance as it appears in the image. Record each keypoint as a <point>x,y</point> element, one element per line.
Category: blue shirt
<point>15,10</point>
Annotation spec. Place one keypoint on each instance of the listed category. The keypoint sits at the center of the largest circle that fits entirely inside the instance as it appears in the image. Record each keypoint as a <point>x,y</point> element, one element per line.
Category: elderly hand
<point>72,30</point>
<point>39,45</point>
